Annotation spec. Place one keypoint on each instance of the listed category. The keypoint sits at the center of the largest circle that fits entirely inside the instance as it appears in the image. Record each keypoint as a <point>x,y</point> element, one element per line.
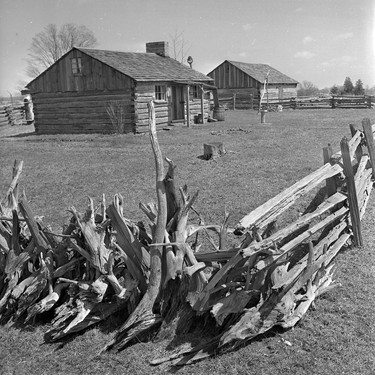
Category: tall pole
<point>188,105</point>
<point>202,103</point>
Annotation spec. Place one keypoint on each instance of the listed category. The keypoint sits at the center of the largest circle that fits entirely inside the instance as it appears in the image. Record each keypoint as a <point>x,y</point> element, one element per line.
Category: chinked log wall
<point>146,92</point>
<point>81,113</point>
<point>195,107</point>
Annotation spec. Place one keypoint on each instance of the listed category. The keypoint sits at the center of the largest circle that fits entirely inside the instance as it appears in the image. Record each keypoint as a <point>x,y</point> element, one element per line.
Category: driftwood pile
<point>161,280</point>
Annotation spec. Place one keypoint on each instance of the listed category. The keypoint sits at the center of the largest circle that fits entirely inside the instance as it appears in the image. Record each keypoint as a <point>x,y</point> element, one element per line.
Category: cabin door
<point>178,103</point>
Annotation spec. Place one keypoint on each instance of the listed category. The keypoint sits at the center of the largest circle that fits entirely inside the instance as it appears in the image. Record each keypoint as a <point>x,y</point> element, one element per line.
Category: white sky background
<point>322,41</point>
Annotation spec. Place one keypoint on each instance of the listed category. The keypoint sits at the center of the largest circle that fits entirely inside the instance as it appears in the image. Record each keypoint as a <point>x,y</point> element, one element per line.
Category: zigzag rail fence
<point>269,279</point>
<point>248,101</point>
<point>12,114</point>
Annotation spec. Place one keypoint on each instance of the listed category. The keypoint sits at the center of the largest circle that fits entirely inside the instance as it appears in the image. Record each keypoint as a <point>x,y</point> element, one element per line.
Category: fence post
<point>358,151</point>
<point>369,101</point>
<point>293,103</point>
<point>251,101</point>
<point>352,193</point>
<point>367,129</point>
<point>202,103</point>
<point>331,186</point>
<point>333,104</point>
<point>234,101</point>
<point>188,105</point>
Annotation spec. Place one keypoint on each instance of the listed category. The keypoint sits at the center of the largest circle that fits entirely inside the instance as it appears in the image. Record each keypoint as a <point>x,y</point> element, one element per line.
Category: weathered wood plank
<point>352,194</point>
<point>268,211</point>
<point>370,142</point>
<point>331,185</point>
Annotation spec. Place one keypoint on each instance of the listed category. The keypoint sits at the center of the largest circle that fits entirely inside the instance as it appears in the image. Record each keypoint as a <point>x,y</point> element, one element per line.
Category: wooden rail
<point>241,101</point>
<point>12,115</point>
<point>345,204</point>
<point>270,279</point>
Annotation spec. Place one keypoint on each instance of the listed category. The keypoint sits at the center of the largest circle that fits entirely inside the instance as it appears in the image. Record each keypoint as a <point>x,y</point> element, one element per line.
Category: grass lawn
<point>338,337</point>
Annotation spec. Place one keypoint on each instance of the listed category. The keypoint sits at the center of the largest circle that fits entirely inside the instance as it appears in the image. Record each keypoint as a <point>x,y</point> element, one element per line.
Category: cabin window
<point>76,65</point>
<point>160,92</point>
<point>196,92</point>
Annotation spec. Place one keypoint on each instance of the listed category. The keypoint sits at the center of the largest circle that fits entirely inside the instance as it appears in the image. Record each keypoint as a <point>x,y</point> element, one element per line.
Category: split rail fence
<point>102,262</point>
<point>12,115</point>
<point>240,101</point>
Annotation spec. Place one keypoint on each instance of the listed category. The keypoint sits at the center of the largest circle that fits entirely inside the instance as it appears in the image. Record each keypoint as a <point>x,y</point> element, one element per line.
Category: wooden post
<point>331,186</point>
<point>216,98</point>
<point>369,101</point>
<point>333,103</point>
<point>188,105</point>
<point>202,103</point>
<point>234,101</point>
<point>367,129</point>
<point>352,193</point>
<point>293,103</point>
<point>263,116</point>
<point>358,151</point>
<point>251,101</point>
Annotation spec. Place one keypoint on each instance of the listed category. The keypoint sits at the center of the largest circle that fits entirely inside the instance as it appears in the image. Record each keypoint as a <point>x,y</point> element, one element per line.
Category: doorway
<point>178,103</point>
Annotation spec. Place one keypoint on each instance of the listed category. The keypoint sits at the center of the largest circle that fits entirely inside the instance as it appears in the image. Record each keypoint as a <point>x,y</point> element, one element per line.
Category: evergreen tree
<point>358,88</point>
<point>348,86</point>
<point>334,90</point>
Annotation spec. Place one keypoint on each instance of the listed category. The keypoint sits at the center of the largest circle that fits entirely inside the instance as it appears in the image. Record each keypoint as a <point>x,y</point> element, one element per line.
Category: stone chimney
<point>160,48</point>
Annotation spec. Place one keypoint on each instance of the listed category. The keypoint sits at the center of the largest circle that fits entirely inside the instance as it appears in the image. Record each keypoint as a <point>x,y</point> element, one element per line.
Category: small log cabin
<point>233,77</point>
<point>98,91</point>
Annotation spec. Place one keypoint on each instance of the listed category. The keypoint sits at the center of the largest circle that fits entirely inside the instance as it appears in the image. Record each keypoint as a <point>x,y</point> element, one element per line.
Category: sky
<point>320,41</point>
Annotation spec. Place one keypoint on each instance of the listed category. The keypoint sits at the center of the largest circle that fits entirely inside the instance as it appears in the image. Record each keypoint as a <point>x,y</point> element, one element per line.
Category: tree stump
<point>213,150</point>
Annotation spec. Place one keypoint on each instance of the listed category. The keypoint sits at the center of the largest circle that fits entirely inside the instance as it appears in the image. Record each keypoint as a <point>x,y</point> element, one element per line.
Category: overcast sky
<point>321,41</point>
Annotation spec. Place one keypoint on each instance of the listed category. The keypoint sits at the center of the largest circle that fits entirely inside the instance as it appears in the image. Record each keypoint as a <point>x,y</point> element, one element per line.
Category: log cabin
<point>245,79</point>
<point>99,91</point>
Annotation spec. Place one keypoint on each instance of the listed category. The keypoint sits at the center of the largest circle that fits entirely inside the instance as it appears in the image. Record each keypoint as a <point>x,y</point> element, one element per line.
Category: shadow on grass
<point>22,135</point>
<point>319,198</point>
<point>174,369</point>
<point>42,323</point>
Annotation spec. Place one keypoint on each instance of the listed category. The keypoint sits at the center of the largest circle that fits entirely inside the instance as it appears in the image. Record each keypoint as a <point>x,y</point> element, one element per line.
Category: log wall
<point>280,91</point>
<point>82,113</point>
<point>195,106</point>
<point>163,109</point>
<point>144,93</point>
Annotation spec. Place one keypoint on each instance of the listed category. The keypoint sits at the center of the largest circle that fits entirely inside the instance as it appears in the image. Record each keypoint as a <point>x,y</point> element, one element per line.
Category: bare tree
<point>307,88</point>
<point>50,44</point>
<point>180,47</point>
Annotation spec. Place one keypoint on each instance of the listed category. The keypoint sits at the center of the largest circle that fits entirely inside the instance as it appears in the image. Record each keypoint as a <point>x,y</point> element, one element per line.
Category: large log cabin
<point>98,91</point>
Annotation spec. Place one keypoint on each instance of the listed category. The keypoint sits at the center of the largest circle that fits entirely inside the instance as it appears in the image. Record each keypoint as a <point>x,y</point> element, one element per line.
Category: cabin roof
<point>146,66</point>
<point>259,71</point>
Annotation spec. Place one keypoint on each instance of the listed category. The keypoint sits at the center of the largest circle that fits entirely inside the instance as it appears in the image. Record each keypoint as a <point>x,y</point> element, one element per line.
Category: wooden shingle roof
<point>146,66</point>
<point>259,71</point>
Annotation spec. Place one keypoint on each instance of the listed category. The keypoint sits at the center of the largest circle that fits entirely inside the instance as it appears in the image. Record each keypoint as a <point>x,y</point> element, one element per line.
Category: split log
<point>146,315</point>
<point>270,210</point>
<point>369,136</point>
<point>136,257</point>
<point>283,308</point>
<point>262,283</point>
